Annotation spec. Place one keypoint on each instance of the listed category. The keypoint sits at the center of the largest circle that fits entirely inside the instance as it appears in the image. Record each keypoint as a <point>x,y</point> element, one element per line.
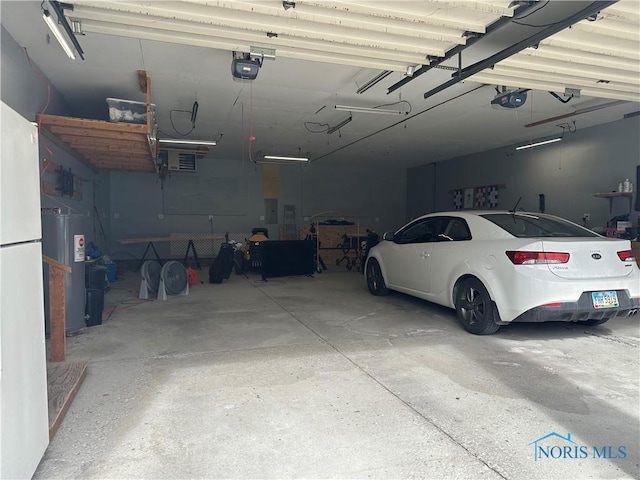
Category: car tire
<point>475,308</point>
<point>375,280</point>
<point>593,322</point>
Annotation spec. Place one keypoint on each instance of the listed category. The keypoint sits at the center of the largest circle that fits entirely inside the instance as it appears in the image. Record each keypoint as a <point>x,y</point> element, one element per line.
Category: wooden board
<point>63,382</point>
<point>170,239</point>
<point>101,144</point>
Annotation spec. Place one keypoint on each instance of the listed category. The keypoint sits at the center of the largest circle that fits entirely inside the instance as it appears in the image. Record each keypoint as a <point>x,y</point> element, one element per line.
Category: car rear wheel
<point>375,281</point>
<point>475,309</point>
<point>593,322</point>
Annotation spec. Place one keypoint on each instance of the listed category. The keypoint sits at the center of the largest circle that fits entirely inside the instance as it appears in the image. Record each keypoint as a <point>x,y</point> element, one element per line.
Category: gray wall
<point>143,206</point>
<point>25,89</point>
<point>592,160</point>
<point>375,197</point>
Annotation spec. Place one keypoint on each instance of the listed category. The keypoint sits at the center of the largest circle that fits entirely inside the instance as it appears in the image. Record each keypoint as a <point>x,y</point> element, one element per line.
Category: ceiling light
<point>58,34</point>
<point>292,159</point>
<point>279,160</point>
<point>537,144</point>
<point>337,127</point>
<point>379,111</point>
<point>171,141</point>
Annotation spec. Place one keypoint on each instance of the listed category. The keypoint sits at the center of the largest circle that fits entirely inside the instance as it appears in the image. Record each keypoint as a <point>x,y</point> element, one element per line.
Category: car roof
<point>476,213</point>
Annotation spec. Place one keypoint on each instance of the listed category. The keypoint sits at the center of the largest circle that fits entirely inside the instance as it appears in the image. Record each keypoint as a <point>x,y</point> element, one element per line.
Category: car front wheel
<point>475,308</point>
<point>375,281</point>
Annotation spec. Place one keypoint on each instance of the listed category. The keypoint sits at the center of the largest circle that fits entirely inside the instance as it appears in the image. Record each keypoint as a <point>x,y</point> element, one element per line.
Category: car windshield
<point>525,225</point>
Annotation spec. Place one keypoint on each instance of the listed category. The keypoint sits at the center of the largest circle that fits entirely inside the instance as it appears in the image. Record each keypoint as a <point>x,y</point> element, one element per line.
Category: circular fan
<point>149,279</point>
<point>151,273</point>
<point>174,278</point>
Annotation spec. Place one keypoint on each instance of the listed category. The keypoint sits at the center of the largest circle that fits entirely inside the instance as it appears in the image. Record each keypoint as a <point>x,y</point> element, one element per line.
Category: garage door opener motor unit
<point>509,99</point>
<point>244,67</point>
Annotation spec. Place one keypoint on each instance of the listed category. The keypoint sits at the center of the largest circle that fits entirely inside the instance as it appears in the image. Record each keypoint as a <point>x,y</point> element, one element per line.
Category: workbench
<point>188,238</point>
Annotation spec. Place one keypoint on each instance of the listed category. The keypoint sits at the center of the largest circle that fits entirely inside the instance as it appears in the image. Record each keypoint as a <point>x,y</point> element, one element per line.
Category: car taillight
<point>552,305</point>
<point>625,255</point>
<point>536,258</point>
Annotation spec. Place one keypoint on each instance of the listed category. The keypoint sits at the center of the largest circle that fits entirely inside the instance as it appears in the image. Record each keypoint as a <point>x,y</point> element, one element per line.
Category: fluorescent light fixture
<point>288,159</point>
<point>379,111</point>
<point>537,144</point>
<point>171,141</point>
<point>58,34</point>
<point>337,127</point>
<point>279,160</point>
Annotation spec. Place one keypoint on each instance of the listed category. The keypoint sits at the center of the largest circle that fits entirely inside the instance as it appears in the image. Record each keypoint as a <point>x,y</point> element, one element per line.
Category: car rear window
<point>525,225</point>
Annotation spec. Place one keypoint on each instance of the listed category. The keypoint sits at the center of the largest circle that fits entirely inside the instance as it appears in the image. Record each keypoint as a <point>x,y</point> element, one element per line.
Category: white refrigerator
<point>24,425</point>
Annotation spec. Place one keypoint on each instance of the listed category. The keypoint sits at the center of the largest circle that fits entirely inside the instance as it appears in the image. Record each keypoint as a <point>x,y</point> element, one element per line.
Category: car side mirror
<point>388,236</point>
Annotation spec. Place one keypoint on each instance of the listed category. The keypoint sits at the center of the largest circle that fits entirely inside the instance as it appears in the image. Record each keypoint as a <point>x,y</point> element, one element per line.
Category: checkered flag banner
<point>483,197</point>
<point>486,197</point>
<point>458,203</point>
<point>492,197</point>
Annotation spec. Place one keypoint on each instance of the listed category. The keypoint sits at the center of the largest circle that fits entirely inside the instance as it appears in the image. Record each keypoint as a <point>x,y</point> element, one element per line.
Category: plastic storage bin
<point>129,111</point>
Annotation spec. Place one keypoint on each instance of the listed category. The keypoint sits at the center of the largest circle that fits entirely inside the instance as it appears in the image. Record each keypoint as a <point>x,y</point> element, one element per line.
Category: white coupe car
<point>498,267</point>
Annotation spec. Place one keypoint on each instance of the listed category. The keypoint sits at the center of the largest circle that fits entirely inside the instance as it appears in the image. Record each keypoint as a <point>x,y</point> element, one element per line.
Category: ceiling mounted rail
<point>521,45</point>
<point>458,49</point>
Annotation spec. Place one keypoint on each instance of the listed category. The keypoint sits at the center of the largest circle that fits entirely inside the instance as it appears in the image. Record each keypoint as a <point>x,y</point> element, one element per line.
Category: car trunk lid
<point>589,257</point>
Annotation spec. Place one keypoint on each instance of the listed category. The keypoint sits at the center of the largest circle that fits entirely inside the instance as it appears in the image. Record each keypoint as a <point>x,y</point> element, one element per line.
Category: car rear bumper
<point>581,310</point>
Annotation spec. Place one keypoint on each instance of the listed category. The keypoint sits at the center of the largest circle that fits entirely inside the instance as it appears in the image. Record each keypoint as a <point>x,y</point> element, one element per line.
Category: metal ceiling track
<point>59,8</point>
<point>534,39</point>
<point>457,50</point>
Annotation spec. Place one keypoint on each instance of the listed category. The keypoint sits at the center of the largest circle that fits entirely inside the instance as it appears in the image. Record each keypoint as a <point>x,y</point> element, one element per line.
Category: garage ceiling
<point>328,53</point>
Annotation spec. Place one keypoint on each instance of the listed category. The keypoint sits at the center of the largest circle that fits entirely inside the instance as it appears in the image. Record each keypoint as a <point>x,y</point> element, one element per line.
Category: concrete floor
<point>316,378</point>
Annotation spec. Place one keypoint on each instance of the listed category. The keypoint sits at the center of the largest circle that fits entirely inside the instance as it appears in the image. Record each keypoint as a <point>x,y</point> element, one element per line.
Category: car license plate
<point>605,299</point>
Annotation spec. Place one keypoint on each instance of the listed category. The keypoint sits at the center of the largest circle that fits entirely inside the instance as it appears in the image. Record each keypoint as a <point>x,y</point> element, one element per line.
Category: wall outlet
<point>262,218</point>
<point>586,217</point>
<point>160,216</point>
<point>116,215</point>
<point>211,218</point>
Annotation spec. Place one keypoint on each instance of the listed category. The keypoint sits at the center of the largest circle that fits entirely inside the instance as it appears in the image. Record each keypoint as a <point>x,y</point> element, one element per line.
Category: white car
<point>498,267</point>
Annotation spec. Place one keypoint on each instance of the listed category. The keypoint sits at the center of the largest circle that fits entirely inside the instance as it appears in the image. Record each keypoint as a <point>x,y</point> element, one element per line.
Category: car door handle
<point>424,255</point>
